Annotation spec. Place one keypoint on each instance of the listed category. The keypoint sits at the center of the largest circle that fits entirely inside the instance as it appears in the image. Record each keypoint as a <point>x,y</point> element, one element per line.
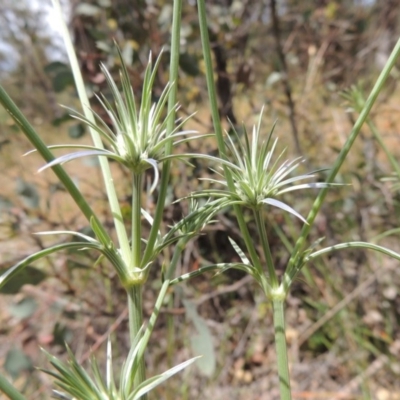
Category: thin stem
<point>267,251</point>
<point>296,253</point>
<point>353,245</point>
<point>154,316</point>
<point>9,390</point>
<point>170,337</point>
<point>173,78</point>
<point>180,246</point>
<point>218,129</point>
<point>47,155</point>
<point>135,292</point>
<point>281,348</point>
<point>136,219</point>
<point>135,323</point>
<point>105,168</point>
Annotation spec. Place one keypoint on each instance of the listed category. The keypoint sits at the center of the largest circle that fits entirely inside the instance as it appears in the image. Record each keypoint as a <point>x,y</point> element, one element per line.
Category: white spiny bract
<point>138,137</point>
<point>258,178</point>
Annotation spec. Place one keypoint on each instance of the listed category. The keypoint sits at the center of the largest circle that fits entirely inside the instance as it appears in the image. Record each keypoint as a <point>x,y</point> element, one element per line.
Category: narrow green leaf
<point>239,252</point>
<point>11,272</point>
<point>104,239</point>
<point>153,382</point>
<point>72,156</point>
<point>284,207</point>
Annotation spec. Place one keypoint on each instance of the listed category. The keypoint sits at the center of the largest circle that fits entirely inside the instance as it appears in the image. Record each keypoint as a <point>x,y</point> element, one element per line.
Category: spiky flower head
<point>138,136</point>
<point>259,178</point>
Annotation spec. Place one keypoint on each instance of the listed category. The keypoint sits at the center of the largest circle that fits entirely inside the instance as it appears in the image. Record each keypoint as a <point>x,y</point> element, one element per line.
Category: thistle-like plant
<point>76,383</point>
<point>138,136</point>
<point>259,177</point>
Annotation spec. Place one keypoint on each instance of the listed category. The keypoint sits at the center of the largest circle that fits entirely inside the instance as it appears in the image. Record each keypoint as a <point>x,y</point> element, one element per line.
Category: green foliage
<point>258,180</point>
<point>141,134</point>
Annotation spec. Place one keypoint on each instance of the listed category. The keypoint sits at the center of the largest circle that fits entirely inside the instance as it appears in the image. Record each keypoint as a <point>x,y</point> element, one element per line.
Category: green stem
<point>281,348</point>
<point>353,245</point>
<point>47,155</point>
<point>180,246</point>
<point>267,251</point>
<point>9,390</point>
<point>218,129</point>
<point>296,253</point>
<point>136,220</point>
<point>173,78</point>
<point>105,168</point>
<point>135,292</point>
<point>135,323</point>
<point>153,317</point>
<point>170,337</point>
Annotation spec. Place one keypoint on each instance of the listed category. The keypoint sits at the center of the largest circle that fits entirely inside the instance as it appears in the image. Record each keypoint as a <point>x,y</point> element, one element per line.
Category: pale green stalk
<point>154,316</point>
<point>136,220</point>
<point>218,129</point>
<point>108,180</point>
<point>278,303</point>
<point>281,347</point>
<point>135,323</point>
<point>136,226</point>
<point>294,264</point>
<point>47,155</point>
<point>292,268</point>
<point>135,291</point>
<point>172,99</point>
<point>260,223</point>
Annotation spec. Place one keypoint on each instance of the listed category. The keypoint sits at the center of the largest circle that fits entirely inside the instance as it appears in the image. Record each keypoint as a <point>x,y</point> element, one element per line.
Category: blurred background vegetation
<point>294,57</point>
